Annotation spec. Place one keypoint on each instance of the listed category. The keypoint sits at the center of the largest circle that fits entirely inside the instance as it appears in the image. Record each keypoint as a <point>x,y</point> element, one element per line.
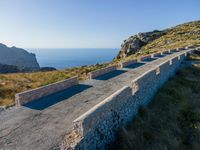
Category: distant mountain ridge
<point>18,57</point>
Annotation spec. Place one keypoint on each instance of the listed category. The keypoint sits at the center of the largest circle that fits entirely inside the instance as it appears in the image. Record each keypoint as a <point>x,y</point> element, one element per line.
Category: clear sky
<point>87,23</point>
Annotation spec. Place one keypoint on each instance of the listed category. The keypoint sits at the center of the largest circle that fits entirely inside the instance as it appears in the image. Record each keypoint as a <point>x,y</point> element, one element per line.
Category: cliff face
<point>134,43</point>
<point>178,36</point>
<point>18,57</point>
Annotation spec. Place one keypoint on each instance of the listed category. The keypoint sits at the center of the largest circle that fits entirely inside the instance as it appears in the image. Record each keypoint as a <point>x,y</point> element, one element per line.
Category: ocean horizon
<point>61,58</point>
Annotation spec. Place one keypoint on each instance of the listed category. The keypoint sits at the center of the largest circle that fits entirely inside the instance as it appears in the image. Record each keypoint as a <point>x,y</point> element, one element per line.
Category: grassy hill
<point>179,36</point>
<point>10,84</point>
<point>175,37</point>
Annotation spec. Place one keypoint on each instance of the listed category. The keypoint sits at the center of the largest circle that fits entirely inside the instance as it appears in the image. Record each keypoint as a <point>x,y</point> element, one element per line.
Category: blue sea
<point>68,57</point>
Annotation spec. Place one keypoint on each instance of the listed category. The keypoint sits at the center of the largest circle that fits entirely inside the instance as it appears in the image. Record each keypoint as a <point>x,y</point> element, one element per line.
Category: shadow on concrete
<point>167,53</point>
<point>52,99</point>
<point>160,56</point>
<point>136,65</point>
<point>110,75</point>
<point>150,59</point>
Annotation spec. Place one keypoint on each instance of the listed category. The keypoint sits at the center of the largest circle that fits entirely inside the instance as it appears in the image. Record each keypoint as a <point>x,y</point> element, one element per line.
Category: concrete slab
<point>43,124</point>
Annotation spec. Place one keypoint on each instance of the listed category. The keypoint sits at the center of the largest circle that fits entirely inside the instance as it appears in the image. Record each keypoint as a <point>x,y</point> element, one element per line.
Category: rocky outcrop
<point>8,69</point>
<point>18,57</point>
<point>134,43</point>
<point>43,69</point>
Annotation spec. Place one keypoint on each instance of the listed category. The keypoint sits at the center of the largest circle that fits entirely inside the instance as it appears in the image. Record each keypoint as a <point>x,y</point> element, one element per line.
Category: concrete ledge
<point>144,58</point>
<point>166,52</point>
<point>33,94</point>
<point>191,46</point>
<point>173,50</point>
<point>127,63</point>
<point>102,71</point>
<point>180,49</point>
<point>157,54</point>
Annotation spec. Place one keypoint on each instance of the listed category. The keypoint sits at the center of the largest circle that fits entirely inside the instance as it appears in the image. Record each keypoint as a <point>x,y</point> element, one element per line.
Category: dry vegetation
<point>10,84</point>
<point>176,37</point>
<point>173,119</point>
<point>179,36</point>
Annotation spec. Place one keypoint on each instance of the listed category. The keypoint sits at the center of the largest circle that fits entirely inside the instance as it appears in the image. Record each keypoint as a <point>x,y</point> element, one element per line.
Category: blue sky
<point>87,23</point>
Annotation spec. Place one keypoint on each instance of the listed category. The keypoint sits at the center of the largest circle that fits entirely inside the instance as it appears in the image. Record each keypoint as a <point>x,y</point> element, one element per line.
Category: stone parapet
<point>99,72</point>
<point>34,94</point>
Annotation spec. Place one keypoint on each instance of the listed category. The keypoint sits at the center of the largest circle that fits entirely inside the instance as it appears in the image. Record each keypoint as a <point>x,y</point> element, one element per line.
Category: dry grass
<point>173,119</point>
<point>179,36</point>
<point>10,84</point>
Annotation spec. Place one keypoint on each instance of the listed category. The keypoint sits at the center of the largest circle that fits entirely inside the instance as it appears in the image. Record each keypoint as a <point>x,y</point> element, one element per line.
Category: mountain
<point>178,36</point>
<point>18,57</point>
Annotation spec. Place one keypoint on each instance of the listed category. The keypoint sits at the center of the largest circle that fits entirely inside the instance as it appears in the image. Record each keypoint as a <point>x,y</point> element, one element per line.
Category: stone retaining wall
<point>98,127</point>
<point>127,63</point>
<point>157,54</point>
<point>144,57</point>
<point>97,131</point>
<point>102,71</point>
<point>166,52</point>
<point>173,50</point>
<point>30,95</point>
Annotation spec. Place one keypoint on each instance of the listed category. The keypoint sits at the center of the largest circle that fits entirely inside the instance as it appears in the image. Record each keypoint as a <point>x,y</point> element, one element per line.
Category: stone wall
<point>166,52</point>
<point>127,63</point>
<point>156,54</point>
<point>102,71</point>
<point>98,127</point>
<point>144,57</point>
<point>30,95</point>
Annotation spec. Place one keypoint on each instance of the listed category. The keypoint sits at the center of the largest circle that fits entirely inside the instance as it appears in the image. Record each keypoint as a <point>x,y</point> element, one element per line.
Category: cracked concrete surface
<point>40,125</point>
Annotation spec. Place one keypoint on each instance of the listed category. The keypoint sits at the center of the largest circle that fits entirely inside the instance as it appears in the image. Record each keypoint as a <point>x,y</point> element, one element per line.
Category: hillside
<point>10,84</point>
<point>148,42</point>
<point>18,57</point>
<point>172,121</point>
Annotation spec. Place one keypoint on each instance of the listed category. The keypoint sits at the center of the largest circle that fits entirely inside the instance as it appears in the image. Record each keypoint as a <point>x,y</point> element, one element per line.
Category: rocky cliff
<point>18,57</point>
<point>178,36</point>
<point>134,43</point>
<point>8,69</point>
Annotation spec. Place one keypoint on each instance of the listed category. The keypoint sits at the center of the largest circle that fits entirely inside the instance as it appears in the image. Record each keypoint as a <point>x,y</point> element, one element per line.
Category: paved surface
<point>42,124</point>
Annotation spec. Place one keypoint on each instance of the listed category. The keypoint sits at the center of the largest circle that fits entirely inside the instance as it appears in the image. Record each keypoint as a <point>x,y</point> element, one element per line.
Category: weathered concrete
<point>33,94</point>
<point>33,127</point>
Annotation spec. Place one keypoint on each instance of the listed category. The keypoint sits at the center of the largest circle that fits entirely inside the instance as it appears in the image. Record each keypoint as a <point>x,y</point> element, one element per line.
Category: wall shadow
<point>150,59</point>
<point>167,53</point>
<point>135,65</point>
<point>52,99</point>
<point>110,75</point>
<point>160,56</point>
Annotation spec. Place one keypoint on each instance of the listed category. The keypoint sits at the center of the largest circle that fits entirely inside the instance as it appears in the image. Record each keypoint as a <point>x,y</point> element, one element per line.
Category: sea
<point>62,58</point>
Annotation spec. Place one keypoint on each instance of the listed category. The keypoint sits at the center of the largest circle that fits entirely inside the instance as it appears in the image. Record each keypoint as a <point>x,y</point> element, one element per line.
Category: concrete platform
<point>42,124</point>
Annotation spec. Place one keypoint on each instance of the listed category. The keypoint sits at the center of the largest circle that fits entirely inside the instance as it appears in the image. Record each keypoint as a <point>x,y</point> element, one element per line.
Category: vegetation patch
<point>172,121</point>
<point>10,84</point>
